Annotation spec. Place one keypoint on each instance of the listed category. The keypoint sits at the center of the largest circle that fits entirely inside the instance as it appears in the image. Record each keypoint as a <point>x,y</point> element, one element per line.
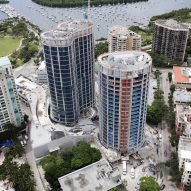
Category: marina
<point>102,16</point>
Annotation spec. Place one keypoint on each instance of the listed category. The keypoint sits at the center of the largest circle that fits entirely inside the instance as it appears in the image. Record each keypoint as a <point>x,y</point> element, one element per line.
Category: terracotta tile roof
<point>178,76</point>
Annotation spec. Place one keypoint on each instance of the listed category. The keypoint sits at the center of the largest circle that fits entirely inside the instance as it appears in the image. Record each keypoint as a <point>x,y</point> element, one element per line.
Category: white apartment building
<point>10,111</point>
<point>184,154</point>
<point>122,39</point>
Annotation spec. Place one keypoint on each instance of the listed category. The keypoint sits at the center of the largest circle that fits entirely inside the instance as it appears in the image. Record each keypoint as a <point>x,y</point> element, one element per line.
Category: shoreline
<point>98,3</point>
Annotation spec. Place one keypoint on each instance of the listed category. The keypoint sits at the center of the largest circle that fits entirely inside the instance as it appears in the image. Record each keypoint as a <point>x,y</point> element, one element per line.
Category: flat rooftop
<point>98,176</point>
<point>121,31</point>
<point>182,74</point>
<point>187,166</point>
<point>4,61</point>
<point>185,154</point>
<point>184,143</point>
<point>182,96</point>
<point>172,24</point>
<point>126,61</point>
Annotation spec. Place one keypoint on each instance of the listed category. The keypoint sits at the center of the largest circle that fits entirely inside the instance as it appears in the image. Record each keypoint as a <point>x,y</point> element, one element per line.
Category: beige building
<point>122,39</point>
<point>170,38</point>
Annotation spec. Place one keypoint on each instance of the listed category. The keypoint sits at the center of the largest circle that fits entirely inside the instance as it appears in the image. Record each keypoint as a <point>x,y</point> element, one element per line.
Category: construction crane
<point>87,14</point>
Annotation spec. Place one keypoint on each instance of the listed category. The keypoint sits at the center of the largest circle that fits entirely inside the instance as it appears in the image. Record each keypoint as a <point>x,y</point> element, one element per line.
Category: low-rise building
<point>183,119</point>
<point>182,77</point>
<point>97,176</point>
<point>184,154</point>
<point>186,176</point>
<point>182,97</point>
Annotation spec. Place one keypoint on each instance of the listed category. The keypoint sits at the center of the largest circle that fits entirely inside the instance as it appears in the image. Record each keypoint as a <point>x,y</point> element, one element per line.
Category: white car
<point>26,137</point>
<point>22,143</point>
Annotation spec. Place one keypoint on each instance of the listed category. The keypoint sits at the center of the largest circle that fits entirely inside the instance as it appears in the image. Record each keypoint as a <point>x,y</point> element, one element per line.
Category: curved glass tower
<point>123,81</point>
<point>69,58</point>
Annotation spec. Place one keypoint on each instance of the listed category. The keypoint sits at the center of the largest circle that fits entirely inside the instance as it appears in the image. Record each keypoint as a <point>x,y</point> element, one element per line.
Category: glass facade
<point>70,71</point>
<point>123,92</point>
<point>138,110</point>
<point>10,111</point>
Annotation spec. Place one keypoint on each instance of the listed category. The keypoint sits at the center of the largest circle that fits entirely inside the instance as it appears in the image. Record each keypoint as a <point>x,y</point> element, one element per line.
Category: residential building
<point>182,77</point>
<point>182,97</point>
<point>122,39</point>
<point>184,154</point>
<point>170,39</point>
<point>123,83</point>
<point>10,111</point>
<point>69,59</point>
<point>183,120</point>
<point>42,73</point>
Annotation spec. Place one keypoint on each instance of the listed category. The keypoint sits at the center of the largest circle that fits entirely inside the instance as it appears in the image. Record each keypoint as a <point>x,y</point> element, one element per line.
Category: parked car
<point>22,143</point>
<point>162,187</point>
<point>26,137</point>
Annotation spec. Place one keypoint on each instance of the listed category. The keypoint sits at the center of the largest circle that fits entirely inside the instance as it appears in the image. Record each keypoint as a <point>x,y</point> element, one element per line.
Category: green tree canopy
<point>60,164</point>
<point>148,183</point>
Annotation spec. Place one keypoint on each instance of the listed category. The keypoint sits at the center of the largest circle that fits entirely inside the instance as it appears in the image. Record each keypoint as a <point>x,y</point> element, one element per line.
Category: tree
<point>26,118</point>
<point>60,164</point>
<point>172,88</point>
<point>170,76</point>
<point>114,189</point>
<point>101,48</point>
<point>174,171</point>
<point>148,183</point>
<point>26,178</point>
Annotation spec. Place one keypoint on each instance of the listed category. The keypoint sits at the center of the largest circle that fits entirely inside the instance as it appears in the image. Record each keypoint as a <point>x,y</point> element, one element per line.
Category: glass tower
<point>69,58</point>
<point>123,83</point>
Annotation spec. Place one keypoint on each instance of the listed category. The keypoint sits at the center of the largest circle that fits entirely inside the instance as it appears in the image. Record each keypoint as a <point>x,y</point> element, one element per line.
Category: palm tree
<point>26,178</point>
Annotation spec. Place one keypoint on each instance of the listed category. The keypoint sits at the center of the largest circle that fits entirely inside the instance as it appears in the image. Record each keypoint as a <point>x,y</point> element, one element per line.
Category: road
<point>165,147</point>
<point>32,162</point>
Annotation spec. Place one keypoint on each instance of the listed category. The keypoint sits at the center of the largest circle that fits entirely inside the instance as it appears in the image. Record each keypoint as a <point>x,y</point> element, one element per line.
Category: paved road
<point>31,161</point>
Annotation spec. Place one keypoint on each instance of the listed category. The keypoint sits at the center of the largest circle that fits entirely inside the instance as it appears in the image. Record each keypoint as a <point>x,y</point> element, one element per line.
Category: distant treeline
<point>181,15</point>
<point>78,3</point>
<point>4,1</point>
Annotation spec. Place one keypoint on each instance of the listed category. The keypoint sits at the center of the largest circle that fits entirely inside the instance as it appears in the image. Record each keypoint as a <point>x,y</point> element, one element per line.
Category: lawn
<point>8,45</point>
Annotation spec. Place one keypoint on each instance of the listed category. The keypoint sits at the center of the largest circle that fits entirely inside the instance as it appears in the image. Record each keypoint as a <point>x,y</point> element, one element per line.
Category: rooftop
<point>125,61</point>
<point>98,176</point>
<point>185,154</point>
<point>121,31</point>
<point>172,24</point>
<point>66,29</point>
<point>4,61</point>
<point>184,143</point>
<point>182,74</point>
<point>187,166</point>
<point>182,112</point>
<point>181,96</point>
